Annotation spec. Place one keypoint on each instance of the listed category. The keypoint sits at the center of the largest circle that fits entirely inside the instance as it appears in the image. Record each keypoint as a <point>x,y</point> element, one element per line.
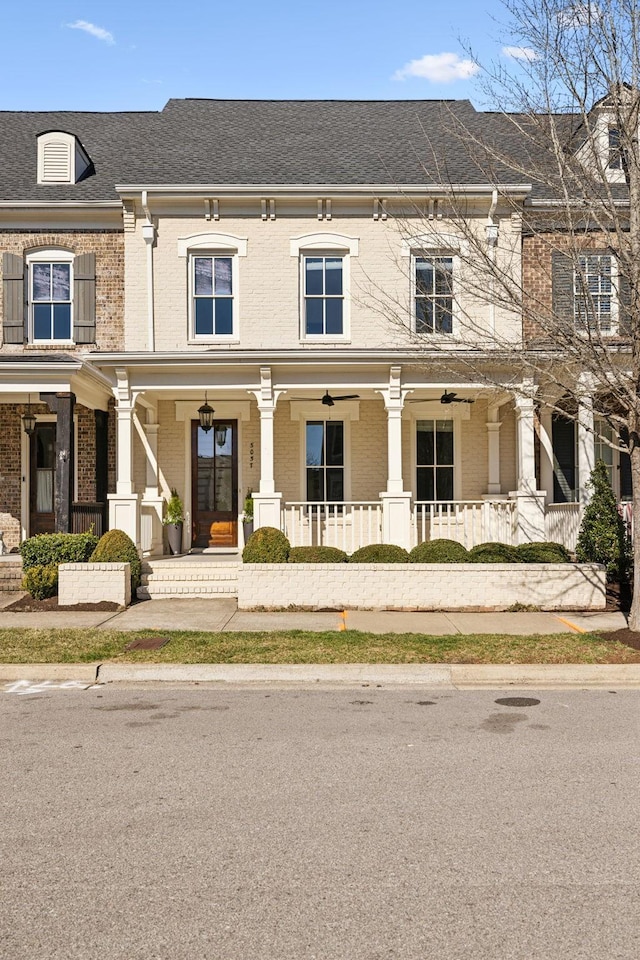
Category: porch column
<point>529,500</point>
<point>124,507</point>
<point>546,452</point>
<point>267,504</point>
<point>396,501</point>
<point>62,404</point>
<point>493,450</point>
<point>152,503</point>
<point>586,446</point>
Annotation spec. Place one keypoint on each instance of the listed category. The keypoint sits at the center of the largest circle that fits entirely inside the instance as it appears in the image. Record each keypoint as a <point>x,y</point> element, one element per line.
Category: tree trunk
<point>634,613</point>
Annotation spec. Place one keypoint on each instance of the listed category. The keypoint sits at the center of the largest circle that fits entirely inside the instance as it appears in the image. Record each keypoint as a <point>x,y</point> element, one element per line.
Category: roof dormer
<point>61,158</point>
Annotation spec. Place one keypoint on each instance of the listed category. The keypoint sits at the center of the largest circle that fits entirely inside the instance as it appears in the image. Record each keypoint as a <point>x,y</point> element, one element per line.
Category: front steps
<point>190,576</point>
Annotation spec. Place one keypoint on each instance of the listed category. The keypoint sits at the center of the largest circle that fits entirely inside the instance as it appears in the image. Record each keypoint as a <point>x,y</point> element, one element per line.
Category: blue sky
<point>136,55</point>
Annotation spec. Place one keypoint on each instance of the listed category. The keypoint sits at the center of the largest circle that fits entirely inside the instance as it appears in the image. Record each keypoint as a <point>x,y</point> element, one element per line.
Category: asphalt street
<point>179,823</point>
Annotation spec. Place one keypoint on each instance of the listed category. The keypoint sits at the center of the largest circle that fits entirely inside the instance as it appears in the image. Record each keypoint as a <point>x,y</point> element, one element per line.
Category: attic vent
<point>56,162</point>
<point>61,158</point>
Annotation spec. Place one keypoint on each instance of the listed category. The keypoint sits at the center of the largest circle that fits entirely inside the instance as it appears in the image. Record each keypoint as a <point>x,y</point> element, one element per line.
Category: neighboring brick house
<point>293,271</point>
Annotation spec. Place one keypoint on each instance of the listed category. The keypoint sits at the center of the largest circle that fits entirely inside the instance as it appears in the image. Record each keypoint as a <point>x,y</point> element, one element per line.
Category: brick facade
<point>108,246</point>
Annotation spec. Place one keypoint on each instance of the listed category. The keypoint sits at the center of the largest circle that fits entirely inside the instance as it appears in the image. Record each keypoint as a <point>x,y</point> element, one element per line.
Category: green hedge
<point>317,555</point>
<point>380,553</point>
<point>494,553</point>
<point>544,552</point>
<point>116,546</point>
<point>50,549</point>
<point>439,551</point>
<point>266,545</point>
<point>41,581</point>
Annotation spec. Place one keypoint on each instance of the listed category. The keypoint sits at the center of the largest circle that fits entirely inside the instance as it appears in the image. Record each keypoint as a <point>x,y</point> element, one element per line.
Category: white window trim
<point>212,242</point>
<point>430,413</point>
<point>234,336</point>
<point>308,417</point>
<point>615,299</point>
<point>326,245</point>
<point>48,255</point>
<point>455,291</point>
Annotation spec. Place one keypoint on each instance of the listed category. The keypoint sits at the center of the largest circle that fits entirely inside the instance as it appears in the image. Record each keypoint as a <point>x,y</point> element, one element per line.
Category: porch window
<point>325,461</point>
<point>433,278</point>
<point>434,461</point>
<point>213,296</point>
<point>617,462</point>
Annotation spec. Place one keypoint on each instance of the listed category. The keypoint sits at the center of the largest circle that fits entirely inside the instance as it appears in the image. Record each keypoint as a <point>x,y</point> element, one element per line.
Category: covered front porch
<point>340,453</point>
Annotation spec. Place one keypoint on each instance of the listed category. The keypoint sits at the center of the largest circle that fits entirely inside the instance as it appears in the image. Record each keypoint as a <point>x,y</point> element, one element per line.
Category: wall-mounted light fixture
<point>29,420</point>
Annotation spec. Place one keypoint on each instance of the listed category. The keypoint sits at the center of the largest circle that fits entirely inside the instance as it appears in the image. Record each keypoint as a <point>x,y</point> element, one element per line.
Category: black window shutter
<point>84,298</point>
<point>624,304</point>
<point>563,433</point>
<point>13,289</point>
<point>562,286</point>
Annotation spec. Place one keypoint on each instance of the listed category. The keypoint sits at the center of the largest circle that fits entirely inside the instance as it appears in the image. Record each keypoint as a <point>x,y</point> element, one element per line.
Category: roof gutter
<point>314,189</point>
<point>57,204</point>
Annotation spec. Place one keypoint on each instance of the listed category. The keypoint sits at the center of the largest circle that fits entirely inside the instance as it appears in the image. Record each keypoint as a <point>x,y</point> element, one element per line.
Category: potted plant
<point>247,515</point>
<point>173,520</point>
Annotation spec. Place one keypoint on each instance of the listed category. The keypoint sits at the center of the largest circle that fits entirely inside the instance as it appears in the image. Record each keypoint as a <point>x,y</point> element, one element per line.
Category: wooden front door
<point>42,479</point>
<point>214,492</point>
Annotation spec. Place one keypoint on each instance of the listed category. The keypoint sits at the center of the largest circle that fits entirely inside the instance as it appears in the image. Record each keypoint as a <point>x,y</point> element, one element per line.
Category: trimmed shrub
<point>494,553</point>
<point>380,553</point>
<point>49,549</point>
<point>266,545</point>
<point>545,552</point>
<point>41,581</point>
<point>603,537</point>
<point>439,551</point>
<point>317,555</point>
<point>116,546</point>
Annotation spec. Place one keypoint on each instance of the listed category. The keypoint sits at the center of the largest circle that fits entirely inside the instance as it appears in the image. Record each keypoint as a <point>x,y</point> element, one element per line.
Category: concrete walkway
<point>223,615</point>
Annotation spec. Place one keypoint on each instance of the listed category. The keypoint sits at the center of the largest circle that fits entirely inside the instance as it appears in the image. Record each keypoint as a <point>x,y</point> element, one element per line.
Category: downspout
<point>149,235</point>
<point>492,241</point>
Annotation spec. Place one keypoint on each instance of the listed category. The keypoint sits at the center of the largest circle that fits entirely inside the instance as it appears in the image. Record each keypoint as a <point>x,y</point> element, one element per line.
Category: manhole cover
<point>147,643</point>
<point>517,702</point>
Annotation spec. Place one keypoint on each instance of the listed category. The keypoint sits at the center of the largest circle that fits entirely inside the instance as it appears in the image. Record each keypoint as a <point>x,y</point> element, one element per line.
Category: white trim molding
<point>324,241</point>
<point>212,241</point>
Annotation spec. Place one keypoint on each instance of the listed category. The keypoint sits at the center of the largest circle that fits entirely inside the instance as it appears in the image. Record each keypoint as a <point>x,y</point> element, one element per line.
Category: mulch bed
<point>27,604</point>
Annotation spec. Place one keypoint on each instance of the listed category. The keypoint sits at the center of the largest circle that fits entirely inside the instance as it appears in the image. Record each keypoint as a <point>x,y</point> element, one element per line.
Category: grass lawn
<point>298,646</point>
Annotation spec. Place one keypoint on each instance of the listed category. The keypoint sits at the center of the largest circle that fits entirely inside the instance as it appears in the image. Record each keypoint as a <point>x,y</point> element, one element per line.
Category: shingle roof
<point>253,141</point>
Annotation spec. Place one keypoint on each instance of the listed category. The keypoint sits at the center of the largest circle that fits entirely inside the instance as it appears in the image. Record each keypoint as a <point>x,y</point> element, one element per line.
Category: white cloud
<point>520,53</point>
<point>99,32</point>
<point>579,15</point>
<point>438,68</point>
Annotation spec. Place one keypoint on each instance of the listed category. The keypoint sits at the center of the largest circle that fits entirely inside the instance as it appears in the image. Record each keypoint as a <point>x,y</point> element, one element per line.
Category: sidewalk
<point>223,615</point>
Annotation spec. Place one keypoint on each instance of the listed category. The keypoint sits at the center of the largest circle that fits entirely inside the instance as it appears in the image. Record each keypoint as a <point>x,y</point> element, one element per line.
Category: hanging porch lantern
<point>29,420</point>
<point>205,414</point>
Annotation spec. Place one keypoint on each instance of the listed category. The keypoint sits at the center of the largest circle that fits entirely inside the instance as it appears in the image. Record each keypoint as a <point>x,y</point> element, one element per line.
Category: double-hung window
<point>324,443</point>
<point>213,296</point>
<point>593,294</point>
<point>433,294</point>
<point>434,460</point>
<point>50,300</point>
<point>323,280</point>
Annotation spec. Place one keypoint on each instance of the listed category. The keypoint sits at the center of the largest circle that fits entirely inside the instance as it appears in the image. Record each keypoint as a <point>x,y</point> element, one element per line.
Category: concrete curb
<point>49,671</point>
<point>452,676</point>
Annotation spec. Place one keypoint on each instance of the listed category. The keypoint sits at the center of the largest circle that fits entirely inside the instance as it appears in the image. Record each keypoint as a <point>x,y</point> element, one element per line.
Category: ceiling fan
<point>328,401</point>
<point>447,397</point>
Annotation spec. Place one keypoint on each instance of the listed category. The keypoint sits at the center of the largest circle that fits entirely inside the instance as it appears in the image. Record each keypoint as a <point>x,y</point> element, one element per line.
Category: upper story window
<point>325,265</point>
<point>594,303</point>
<point>616,159</point>
<point>213,272</point>
<point>50,300</point>
<point>212,296</point>
<point>433,294</point>
<point>323,296</point>
<point>62,158</point>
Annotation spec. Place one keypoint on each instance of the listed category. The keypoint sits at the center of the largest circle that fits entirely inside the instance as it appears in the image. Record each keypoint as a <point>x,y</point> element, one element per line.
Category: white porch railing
<point>467,521</point>
<point>562,523</point>
<point>347,526</point>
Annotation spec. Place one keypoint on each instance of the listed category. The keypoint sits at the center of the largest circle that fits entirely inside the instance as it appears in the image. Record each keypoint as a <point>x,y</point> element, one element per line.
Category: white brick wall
<point>433,586</point>
<point>94,582</point>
